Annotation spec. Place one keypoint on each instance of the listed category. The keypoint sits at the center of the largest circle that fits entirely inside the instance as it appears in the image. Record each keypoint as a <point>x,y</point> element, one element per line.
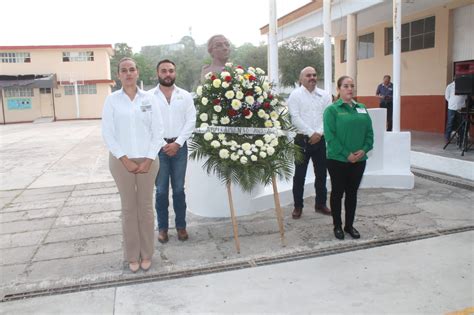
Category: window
<point>19,92</point>
<point>45,90</point>
<point>419,34</point>
<point>81,89</point>
<point>69,56</point>
<point>365,47</point>
<point>15,57</point>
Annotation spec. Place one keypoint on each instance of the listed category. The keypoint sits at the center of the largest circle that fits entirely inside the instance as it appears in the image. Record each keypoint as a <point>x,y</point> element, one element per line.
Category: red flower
<point>240,67</point>
<point>252,78</point>
<point>246,111</point>
<point>270,96</point>
<point>213,77</point>
<point>266,105</point>
<point>231,112</point>
<point>216,101</point>
<point>228,78</point>
<point>249,93</point>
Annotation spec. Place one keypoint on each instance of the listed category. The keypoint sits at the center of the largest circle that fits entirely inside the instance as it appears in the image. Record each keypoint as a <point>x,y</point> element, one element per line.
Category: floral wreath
<point>243,129</point>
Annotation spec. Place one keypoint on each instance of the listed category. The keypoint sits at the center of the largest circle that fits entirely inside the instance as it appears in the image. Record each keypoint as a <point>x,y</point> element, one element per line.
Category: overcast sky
<point>137,23</point>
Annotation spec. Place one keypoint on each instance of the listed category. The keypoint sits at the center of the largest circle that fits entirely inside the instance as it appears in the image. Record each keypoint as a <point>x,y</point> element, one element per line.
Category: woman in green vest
<point>349,136</point>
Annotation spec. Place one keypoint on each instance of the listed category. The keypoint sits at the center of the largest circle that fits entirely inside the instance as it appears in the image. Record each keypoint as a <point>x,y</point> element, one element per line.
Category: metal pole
<point>273,47</point>
<point>327,46</point>
<point>397,27</point>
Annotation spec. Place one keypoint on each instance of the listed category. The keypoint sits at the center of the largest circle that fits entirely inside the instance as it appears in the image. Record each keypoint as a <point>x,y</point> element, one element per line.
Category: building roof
<point>49,47</point>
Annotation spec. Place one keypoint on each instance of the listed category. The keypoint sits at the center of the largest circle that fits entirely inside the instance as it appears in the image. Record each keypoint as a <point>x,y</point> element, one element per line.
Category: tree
<point>121,50</point>
<point>296,54</point>
<point>249,55</point>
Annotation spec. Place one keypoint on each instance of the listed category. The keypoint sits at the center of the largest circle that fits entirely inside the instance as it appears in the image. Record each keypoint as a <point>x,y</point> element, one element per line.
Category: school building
<point>437,41</point>
<point>58,82</point>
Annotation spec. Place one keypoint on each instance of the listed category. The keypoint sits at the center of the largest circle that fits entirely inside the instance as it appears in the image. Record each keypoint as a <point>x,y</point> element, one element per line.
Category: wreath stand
<point>278,210</point>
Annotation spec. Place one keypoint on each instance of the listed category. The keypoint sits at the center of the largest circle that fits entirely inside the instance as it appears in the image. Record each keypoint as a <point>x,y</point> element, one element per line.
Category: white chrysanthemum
<point>225,120</point>
<point>248,152</point>
<point>246,146</point>
<point>224,74</point>
<point>249,116</point>
<point>270,151</point>
<point>264,148</point>
<point>268,138</point>
<point>266,117</point>
<point>265,86</point>
<point>253,158</point>
<point>229,94</point>
<point>216,83</point>
<point>243,160</point>
<point>251,69</point>
<point>274,115</point>
<point>277,124</point>
<point>261,113</point>
<point>274,102</point>
<point>208,75</point>
<point>249,100</point>
<point>203,117</point>
<point>268,124</point>
<point>272,136</point>
<point>204,101</point>
<point>234,156</point>
<point>259,143</point>
<point>215,144</point>
<point>240,78</point>
<point>233,148</point>
<point>199,90</point>
<point>208,136</point>
<point>224,154</point>
<point>214,121</point>
<point>260,99</point>
<point>239,95</point>
<point>274,142</point>
<point>254,149</point>
<point>204,125</point>
<point>239,71</point>
<point>262,154</point>
<point>221,136</point>
<point>217,108</point>
<point>225,85</point>
<point>240,152</point>
<point>236,104</point>
<point>228,64</point>
<point>258,90</point>
<point>259,71</point>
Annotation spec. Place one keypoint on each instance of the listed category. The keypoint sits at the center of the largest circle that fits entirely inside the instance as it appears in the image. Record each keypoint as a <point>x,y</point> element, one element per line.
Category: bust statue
<point>219,48</point>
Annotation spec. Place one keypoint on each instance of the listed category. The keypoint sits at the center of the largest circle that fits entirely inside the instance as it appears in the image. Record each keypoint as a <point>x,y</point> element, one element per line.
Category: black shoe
<point>352,232</point>
<point>338,233</point>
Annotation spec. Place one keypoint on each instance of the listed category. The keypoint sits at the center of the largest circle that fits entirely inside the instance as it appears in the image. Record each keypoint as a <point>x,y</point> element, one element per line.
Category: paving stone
<point>11,274</point>
<point>92,218</point>
<point>100,207</point>
<point>81,247</point>
<point>22,239</point>
<point>28,214</point>
<point>25,226</point>
<point>83,231</point>
<point>87,200</point>
<point>16,255</point>
<point>48,190</point>
<point>96,185</point>
<point>60,196</point>
<point>10,193</point>
<point>94,191</point>
<point>33,205</point>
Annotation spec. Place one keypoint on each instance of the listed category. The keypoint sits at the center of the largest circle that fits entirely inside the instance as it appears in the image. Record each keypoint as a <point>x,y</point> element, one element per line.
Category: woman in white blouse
<point>132,130</point>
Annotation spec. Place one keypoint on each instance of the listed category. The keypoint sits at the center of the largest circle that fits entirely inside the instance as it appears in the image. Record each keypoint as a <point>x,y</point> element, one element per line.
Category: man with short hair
<point>455,103</point>
<point>385,94</point>
<point>218,47</point>
<point>306,105</point>
<point>179,119</point>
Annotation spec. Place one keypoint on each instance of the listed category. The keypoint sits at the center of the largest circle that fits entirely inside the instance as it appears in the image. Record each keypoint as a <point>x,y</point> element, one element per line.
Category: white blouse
<point>132,128</point>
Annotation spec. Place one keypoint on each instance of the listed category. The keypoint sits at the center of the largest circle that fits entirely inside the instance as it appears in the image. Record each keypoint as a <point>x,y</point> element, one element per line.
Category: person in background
<point>385,93</point>
<point>455,103</point>
<point>349,136</point>
<point>133,132</point>
<point>179,118</point>
<point>306,105</point>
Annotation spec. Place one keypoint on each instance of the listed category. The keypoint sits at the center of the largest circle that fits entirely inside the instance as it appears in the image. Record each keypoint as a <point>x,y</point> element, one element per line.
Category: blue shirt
<point>385,91</point>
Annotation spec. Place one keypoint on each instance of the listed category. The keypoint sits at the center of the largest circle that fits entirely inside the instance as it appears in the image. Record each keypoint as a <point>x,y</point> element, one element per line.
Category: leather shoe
<point>352,232</point>
<point>322,209</point>
<point>296,214</point>
<point>134,266</point>
<point>145,264</point>
<point>182,234</point>
<point>338,233</point>
<point>163,236</point>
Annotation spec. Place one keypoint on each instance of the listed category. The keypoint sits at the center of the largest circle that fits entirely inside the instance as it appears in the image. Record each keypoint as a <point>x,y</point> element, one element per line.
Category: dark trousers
<point>345,178</point>
<point>316,153</point>
<point>389,106</point>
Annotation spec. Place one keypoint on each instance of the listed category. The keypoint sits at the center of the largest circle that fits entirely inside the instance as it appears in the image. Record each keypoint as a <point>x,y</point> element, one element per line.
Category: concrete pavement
<point>60,232</point>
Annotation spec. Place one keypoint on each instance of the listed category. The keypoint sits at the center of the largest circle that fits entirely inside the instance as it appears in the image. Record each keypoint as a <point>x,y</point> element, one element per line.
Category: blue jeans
<point>317,153</point>
<point>174,168</point>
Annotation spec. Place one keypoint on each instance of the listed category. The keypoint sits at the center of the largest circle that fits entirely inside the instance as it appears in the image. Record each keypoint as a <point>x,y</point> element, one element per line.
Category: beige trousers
<point>138,217</point>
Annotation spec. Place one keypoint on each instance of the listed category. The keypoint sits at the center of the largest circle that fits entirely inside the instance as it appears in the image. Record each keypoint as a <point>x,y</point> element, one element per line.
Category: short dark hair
<point>387,76</point>
<point>165,61</point>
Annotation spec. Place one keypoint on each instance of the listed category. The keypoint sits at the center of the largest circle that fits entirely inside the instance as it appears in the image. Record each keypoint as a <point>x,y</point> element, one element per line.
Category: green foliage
<point>296,54</point>
<point>249,55</point>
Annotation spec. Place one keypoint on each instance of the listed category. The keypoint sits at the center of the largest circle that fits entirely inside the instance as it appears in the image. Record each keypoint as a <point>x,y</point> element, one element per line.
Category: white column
<point>76,94</point>
<point>327,46</point>
<point>273,47</point>
<point>397,29</point>
<point>351,46</point>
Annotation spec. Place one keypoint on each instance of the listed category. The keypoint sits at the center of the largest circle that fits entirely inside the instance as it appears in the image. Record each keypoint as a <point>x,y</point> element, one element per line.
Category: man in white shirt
<point>179,119</point>
<point>307,104</point>
<point>455,103</point>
